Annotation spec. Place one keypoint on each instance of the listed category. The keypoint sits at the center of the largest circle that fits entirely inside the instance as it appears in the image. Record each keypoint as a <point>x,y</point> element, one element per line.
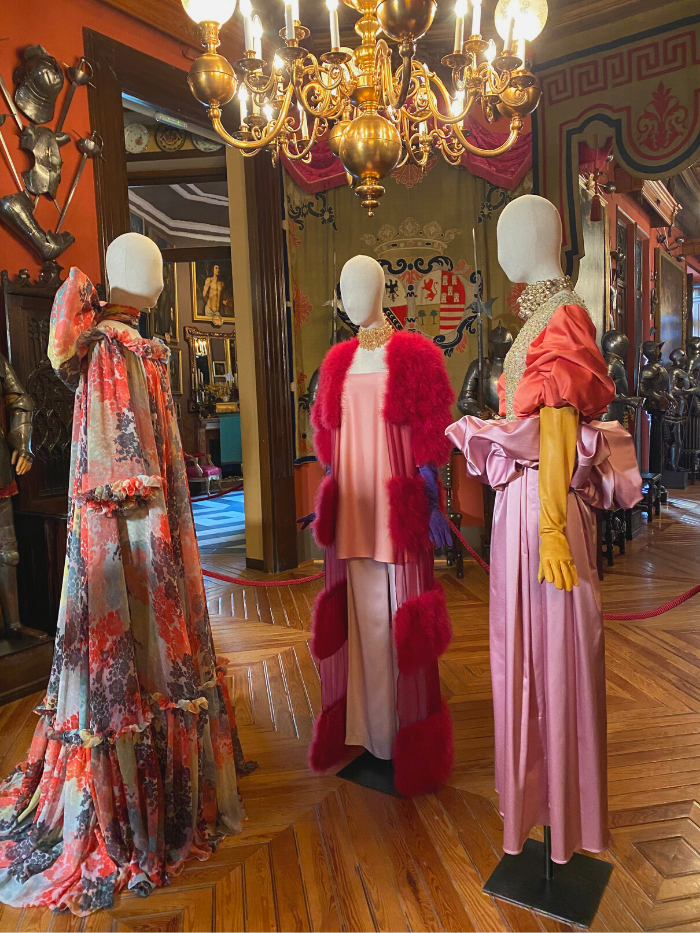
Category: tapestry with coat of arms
<point>422,236</point>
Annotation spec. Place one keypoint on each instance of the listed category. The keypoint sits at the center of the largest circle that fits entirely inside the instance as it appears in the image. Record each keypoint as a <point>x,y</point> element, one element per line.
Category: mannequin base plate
<point>369,771</point>
<point>572,895</point>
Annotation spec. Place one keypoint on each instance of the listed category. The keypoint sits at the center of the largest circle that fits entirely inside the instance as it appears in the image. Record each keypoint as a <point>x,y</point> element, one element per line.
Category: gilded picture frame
<point>175,371</point>
<point>212,291</point>
<point>164,315</point>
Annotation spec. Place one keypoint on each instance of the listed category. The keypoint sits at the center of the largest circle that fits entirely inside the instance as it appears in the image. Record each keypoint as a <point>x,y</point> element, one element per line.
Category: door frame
<point>120,69</point>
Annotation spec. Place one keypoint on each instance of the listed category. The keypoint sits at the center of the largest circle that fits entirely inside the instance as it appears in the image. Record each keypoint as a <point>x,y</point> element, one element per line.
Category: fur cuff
<point>328,744</point>
<point>422,630</point>
<point>408,514</point>
<point>423,754</point>
<point>329,626</point>
<point>326,507</point>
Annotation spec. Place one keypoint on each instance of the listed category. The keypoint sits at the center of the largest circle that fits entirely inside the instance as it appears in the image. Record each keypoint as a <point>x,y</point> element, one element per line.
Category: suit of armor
<point>500,340</point>
<point>615,350</point>
<point>654,387</point>
<point>20,408</point>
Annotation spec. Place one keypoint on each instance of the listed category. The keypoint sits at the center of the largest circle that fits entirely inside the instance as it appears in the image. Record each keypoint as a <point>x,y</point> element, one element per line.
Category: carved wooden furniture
<point>200,469</point>
<point>42,503</point>
<point>651,503</point>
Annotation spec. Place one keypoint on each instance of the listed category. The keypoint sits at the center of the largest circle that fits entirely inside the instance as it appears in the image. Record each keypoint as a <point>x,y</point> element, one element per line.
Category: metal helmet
<point>679,358</point>
<point>652,350</point>
<point>500,341</point>
<point>614,341</point>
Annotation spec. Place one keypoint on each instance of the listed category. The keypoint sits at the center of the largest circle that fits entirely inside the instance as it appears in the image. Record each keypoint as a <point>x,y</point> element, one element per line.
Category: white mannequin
<point>362,291</point>
<point>529,240</point>
<point>134,271</point>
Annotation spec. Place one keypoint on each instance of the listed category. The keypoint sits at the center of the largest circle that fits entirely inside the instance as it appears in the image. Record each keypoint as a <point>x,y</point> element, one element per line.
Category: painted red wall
<point>58,25</point>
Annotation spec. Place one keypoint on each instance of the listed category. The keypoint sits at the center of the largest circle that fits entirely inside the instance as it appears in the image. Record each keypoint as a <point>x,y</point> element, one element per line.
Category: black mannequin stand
<point>570,892</point>
<point>371,772</point>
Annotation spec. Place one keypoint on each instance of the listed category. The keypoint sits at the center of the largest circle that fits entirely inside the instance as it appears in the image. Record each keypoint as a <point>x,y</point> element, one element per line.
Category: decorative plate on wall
<point>206,145</point>
<point>169,138</point>
<point>136,137</point>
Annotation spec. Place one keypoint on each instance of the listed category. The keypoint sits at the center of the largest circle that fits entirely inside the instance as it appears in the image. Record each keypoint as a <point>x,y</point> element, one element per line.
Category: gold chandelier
<point>375,118</point>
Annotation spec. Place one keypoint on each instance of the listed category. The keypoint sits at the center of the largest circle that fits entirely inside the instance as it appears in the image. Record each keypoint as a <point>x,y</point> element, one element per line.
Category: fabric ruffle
<point>606,474</point>
<point>564,367</point>
<point>112,793</point>
<point>124,494</point>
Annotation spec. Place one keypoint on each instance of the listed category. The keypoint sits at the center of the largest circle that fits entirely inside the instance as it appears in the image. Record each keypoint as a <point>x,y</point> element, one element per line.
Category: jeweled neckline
<point>535,295</point>
<point>372,338</point>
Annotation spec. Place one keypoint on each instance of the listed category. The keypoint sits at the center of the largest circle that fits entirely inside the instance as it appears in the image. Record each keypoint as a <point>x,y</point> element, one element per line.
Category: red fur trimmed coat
<point>418,399</point>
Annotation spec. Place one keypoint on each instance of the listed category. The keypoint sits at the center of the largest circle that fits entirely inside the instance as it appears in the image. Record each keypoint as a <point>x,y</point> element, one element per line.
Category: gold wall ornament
<point>375,116</point>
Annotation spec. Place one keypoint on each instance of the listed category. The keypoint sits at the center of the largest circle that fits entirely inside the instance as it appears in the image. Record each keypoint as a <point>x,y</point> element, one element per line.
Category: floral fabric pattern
<point>132,769</point>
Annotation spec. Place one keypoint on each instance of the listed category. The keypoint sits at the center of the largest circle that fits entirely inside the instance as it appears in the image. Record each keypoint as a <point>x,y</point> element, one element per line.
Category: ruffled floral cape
<point>132,766</point>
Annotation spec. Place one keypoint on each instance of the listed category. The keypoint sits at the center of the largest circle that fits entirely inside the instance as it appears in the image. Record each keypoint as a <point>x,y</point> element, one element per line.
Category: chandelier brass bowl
<point>406,19</point>
<point>370,148</point>
<point>374,117</point>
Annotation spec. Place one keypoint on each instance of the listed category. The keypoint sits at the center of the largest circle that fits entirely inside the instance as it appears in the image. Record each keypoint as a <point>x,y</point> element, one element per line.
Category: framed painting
<point>671,295</point>
<point>165,312</point>
<point>176,370</point>
<point>212,292</point>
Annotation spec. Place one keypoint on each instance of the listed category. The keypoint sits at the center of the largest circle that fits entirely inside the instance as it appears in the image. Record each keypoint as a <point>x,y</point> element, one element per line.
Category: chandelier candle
<point>247,14</point>
<point>335,28</point>
<point>476,18</point>
<point>460,12</point>
<point>289,22</point>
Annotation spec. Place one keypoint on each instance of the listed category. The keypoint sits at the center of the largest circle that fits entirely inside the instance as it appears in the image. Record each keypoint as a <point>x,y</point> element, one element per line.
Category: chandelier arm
<point>451,153</point>
<point>304,155</point>
<point>449,121</point>
<point>254,89</point>
<point>327,109</point>
<point>515,126</point>
<point>385,77</point>
<point>318,72</point>
<point>255,144</point>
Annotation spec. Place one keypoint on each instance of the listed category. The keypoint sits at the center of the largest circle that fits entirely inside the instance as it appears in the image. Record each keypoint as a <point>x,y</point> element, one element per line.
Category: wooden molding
<point>653,196</point>
<point>168,16</point>
<point>691,246</point>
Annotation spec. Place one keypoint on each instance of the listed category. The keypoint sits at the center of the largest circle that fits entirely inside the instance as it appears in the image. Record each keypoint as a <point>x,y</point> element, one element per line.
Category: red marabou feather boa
<point>422,630</point>
<point>418,394</point>
<point>423,754</point>
<point>329,626</point>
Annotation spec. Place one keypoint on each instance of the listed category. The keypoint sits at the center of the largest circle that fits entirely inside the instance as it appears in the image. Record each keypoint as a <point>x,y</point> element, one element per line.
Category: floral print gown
<point>132,766</point>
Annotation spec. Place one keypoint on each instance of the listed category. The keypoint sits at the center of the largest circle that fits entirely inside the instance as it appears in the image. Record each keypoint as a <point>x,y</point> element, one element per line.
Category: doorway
<point>177,190</point>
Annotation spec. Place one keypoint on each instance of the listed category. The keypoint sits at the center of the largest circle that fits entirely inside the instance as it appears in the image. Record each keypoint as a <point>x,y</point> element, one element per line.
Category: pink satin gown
<point>547,646</point>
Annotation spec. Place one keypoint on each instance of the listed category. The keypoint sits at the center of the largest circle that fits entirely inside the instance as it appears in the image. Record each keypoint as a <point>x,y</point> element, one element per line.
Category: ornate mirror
<point>213,373</point>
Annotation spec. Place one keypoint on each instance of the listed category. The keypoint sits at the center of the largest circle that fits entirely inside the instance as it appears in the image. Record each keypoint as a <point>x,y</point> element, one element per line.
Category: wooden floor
<point>321,854</point>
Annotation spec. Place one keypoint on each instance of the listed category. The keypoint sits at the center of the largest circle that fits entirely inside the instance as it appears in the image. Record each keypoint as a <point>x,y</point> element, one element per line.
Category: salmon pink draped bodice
<point>364,471</point>
<point>547,645</point>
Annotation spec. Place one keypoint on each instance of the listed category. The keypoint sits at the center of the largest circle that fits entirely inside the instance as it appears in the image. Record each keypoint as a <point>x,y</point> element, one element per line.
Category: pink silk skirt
<point>547,646</point>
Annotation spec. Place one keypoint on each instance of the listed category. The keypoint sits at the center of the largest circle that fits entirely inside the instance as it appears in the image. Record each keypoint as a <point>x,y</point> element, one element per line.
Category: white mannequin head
<point>134,268</point>
<point>362,291</point>
<point>529,240</point>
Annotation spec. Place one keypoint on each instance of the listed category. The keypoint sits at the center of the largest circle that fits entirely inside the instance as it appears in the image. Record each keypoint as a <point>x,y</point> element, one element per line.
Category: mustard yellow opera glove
<point>558,432</point>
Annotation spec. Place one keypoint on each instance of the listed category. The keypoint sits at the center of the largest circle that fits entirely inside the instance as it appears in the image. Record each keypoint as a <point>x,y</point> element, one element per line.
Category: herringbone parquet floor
<point>321,854</point>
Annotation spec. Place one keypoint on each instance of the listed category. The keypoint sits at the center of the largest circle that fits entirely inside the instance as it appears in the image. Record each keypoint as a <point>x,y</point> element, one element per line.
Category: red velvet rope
<point>609,616</point>
<point>241,582</point>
